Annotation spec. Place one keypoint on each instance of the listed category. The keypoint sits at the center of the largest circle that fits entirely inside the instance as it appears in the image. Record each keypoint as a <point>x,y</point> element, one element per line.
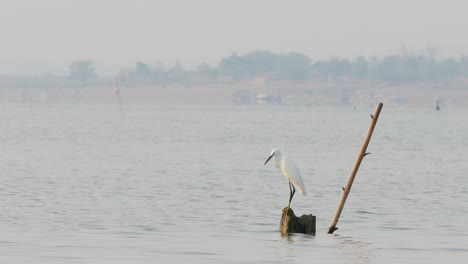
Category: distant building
<point>267,99</point>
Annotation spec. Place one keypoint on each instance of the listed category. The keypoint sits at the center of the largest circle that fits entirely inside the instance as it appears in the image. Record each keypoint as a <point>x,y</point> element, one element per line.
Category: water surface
<point>81,184</point>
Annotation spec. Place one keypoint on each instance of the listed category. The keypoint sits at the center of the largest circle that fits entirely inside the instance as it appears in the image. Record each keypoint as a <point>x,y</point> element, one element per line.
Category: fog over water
<point>179,177</point>
<point>45,36</point>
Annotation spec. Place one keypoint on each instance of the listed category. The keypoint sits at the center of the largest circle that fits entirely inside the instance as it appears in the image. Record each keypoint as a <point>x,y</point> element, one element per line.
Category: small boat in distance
<point>437,106</point>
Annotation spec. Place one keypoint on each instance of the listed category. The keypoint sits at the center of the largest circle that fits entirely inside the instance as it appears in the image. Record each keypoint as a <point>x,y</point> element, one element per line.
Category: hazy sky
<point>40,36</point>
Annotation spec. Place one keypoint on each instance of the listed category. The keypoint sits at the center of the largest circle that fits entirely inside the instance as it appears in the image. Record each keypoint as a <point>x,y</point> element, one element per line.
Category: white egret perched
<point>290,172</point>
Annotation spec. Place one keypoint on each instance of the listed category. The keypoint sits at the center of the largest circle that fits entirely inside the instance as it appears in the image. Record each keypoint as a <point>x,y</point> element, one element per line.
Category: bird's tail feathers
<point>302,190</point>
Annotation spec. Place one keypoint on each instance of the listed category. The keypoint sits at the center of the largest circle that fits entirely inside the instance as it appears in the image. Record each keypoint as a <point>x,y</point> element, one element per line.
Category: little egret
<point>290,172</point>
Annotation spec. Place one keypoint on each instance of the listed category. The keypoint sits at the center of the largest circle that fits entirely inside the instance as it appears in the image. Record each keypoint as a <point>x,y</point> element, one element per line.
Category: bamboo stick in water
<point>332,227</point>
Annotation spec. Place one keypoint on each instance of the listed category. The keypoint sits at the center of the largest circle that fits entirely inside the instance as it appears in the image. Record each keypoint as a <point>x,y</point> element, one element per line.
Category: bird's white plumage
<point>289,170</point>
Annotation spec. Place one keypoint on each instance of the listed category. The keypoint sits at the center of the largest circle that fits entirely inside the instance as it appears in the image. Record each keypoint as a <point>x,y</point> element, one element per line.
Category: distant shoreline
<point>255,92</point>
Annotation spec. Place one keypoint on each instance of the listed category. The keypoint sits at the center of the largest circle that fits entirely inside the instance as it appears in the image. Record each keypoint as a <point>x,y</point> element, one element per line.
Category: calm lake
<point>82,184</point>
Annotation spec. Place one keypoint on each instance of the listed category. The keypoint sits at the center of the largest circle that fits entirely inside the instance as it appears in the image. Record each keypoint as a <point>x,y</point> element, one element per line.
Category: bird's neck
<point>277,161</point>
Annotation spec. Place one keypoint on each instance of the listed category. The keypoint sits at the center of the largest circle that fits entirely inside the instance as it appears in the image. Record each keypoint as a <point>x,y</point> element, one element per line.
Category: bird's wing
<point>289,169</point>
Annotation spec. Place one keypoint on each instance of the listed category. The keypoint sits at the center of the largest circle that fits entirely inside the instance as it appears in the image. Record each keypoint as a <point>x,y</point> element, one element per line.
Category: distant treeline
<point>271,67</point>
<point>297,67</point>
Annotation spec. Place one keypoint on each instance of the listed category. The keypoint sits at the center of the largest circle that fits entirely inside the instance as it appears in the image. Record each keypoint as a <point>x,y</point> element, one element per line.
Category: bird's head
<point>274,152</point>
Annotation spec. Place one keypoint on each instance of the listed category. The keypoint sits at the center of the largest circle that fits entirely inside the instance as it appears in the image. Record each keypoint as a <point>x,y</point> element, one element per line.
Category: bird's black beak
<point>269,158</point>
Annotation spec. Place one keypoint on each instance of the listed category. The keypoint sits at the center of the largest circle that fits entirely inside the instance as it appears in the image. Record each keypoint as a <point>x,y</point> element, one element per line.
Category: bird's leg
<point>294,191</point>
<point>290,195</point>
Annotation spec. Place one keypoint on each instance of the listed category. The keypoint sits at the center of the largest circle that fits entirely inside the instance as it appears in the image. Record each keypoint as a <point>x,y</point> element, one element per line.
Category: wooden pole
<point>360,156</point>
<point>117,92</point>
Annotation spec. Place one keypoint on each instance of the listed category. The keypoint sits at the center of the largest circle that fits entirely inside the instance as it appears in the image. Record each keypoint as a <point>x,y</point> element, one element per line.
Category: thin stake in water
<point>362,153</point>
<point>117,93</point>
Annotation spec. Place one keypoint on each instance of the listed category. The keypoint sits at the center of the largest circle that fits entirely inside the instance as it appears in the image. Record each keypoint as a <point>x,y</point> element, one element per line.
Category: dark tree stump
<point>290,223</point>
